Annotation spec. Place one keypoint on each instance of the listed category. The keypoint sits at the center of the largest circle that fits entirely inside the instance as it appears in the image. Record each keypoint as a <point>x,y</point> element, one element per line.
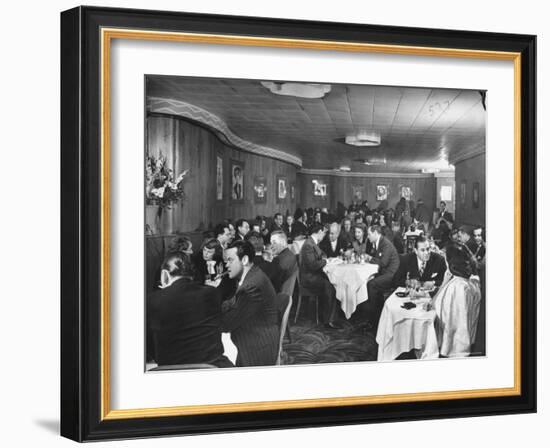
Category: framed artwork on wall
<point>260,189</point>
<point>463,193</point>
<point>319,188</point>
<point>381,192</point>
<point>357,192</point>
<point>282,188</point>
<point>475,195</point>
<point>406,193</point>
<point>237,181</point>
<point>105,392</point>
<point>219,177</point>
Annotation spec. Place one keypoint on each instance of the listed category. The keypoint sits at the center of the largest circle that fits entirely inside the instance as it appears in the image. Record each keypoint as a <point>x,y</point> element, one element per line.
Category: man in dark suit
<point>384,254</point>
<point>312,276</point>
<point>285,261</point>
<point>184,318</point>
<point>242,229</point>
<point>423,265</point>
<point>277,222</point>
<point>269,269</point>
<point>251,315</point>
<point>333,243</point>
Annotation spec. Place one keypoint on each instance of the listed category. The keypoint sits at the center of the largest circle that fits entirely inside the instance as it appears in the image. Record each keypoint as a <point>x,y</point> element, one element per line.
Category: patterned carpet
<point>315,344</point>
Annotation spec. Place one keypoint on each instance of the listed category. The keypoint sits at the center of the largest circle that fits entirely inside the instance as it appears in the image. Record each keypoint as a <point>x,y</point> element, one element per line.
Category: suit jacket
<point>361,248</point>
<point>285,264</point>
<point>184,320</point>
<point>434,270</point>
<point>386,257</point>
<point>326,247</point>
<point>269,269</point>
<point>311,264</point>
<point>252,318</point>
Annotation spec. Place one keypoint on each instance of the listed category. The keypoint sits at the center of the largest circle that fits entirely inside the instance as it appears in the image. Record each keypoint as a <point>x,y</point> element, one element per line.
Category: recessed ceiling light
<point>345,168</point>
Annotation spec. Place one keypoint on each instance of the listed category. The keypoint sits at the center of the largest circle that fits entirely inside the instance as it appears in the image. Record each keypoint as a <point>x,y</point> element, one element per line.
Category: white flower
<point>181,176</point>
<point>158,192</point>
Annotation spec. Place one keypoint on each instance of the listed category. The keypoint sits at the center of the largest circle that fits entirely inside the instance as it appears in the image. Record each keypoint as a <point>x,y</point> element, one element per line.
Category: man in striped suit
<point>251,316</point>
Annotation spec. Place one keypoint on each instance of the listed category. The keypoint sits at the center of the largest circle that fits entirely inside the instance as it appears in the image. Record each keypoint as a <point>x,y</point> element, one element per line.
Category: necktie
<point>422,267</point>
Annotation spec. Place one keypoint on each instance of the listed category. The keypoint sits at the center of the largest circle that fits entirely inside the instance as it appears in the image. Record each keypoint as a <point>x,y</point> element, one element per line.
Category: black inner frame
<point>81,221</point>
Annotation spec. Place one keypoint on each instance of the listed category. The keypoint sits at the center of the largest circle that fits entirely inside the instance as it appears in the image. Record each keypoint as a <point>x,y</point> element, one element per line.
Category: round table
<point>350,282</point>
<point>401,330</point>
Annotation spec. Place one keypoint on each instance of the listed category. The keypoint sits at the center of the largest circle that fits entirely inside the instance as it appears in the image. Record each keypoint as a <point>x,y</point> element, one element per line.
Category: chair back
<point>284,304</point>
<point>288,286</point>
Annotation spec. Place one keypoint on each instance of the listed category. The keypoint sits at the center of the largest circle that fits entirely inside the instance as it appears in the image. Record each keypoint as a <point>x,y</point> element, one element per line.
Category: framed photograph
<point>319,188</point>
<point>463,193</point>
<point>475,195</point>
<point>237,181</point>
<point>381,192</point>
<point>260,189</point>
<point>282,188</point>
<point>242,98</point>
<point>219,177</point>
<point>406,193</point>
<point>357,192</point>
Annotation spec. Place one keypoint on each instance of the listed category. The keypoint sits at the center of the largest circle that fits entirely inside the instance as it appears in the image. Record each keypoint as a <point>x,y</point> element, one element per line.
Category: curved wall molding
<point>197,114</point>
<point>369,175</point>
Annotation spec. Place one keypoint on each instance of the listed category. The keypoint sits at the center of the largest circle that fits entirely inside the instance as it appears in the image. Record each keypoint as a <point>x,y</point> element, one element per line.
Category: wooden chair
<point>284,304</point>
<point>288,289</point>
<point>305,292</point>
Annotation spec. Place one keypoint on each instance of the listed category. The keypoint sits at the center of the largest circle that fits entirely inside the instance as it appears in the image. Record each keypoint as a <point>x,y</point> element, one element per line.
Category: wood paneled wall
<point>470,171</point>
<point>340,189</point>
<point>189,146</point>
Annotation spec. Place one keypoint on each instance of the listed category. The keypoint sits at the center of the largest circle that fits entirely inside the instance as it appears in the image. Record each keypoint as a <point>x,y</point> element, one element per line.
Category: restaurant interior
<point>317,147</point>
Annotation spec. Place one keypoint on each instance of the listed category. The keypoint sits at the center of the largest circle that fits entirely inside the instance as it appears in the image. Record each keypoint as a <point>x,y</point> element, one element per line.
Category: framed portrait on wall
<point>237,181</point>
<point>282,188</point>
<point>357,192</point>
<point>260,189</point>
<point>107,56</point>
<point>219,177</point>
<point>475,195</point>
<point>292,191</point>
<point>381,192</point>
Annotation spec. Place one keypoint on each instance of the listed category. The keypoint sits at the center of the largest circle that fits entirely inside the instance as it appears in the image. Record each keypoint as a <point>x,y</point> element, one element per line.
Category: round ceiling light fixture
<point>364,138</point>
<point>297,89</point>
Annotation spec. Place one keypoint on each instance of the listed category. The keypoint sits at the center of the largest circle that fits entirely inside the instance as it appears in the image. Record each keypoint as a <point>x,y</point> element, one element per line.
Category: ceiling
<point>419,127</point>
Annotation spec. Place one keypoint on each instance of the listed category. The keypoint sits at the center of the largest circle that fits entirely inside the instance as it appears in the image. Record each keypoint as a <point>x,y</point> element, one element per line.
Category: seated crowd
<point>233,283</point>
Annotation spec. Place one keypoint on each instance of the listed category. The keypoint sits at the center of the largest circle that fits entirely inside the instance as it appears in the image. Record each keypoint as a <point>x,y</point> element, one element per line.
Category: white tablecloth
<point>229,348</point>
<point>401,330</point>
<point>350,282</point>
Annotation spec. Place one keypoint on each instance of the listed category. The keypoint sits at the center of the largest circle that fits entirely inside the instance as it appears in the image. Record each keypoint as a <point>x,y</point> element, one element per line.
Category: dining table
<point>403,328</point>
<point>350,282</point>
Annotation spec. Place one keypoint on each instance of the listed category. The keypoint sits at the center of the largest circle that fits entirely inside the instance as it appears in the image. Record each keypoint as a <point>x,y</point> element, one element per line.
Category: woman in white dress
<point>457,305</point>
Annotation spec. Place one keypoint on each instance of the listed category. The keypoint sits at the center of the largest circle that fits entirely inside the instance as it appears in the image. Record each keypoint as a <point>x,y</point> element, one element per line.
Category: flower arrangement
<point>160,186</point>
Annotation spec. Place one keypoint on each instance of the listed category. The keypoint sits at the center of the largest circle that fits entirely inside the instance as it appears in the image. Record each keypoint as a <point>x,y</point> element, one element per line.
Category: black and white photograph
<point>260,189</point>
<point>366,259</point>
<point>237,176</point>
<point>282,189</point>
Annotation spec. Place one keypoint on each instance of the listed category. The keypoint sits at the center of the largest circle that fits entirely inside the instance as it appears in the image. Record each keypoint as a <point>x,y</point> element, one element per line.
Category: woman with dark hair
<point>300,222</point>
<point>360,243</point>
<point>457,304</point>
